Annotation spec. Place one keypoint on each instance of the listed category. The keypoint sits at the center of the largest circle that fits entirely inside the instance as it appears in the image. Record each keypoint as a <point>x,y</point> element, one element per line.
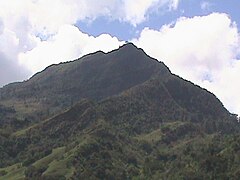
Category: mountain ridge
<point>96,77</point>
<point>116,115</point>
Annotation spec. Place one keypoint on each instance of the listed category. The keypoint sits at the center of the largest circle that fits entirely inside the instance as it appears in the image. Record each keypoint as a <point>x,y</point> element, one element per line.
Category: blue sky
<point>197,39</point>
<point>187,8</point>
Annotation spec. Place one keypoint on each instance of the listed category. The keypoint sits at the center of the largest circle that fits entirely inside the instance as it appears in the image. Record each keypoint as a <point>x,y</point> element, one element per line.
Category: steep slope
<point>100,74</point>
<point>95,76</point>
<point>139,110</point>
<point>120,115</point>
<point>142,132</point>
<point>157,101</point>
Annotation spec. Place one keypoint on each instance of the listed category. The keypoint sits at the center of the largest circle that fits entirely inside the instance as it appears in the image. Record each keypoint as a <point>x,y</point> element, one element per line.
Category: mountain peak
<point>129,46</point>
<point>123,109</point>
<point>94,76</point>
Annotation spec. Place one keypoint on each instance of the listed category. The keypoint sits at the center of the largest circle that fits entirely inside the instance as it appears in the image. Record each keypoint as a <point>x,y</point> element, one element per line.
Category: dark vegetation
<point>120,115</point>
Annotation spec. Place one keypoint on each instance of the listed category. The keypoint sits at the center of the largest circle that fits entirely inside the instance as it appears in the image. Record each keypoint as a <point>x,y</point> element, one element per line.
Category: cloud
<point>1,26</point>
<point>203,50</point>
<point>11,71</point>
<point>227,86</point>
<point>48,16</point>
<point>68,44</point>
<point>10,45</point>
<point>135,13</point>
<point>37,33</point>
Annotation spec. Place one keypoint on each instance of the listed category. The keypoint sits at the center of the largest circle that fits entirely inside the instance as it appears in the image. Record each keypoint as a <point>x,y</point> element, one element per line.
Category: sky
<point>198,40</point>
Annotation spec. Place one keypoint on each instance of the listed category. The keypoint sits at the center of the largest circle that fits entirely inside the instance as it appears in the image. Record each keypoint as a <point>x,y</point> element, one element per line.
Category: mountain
<point>95,76</point>
<point>116,115</point>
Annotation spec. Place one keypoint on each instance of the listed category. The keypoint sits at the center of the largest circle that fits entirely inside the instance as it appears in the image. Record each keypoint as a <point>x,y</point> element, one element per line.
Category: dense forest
<point>116,115</point>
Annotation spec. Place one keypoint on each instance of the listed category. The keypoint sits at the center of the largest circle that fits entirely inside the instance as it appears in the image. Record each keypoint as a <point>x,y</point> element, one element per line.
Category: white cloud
<point>1,26</point>
<point>135,12</point>
<point>201,49</point>
<point>48,16</point>
<point>10,43</point>
<point>22,22</point>
<point>11,71</point>
<point>68,44</point>
<point>227,86</point>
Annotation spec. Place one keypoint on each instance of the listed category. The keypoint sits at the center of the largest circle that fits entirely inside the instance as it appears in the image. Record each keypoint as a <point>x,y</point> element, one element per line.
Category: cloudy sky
<point>197,39</point>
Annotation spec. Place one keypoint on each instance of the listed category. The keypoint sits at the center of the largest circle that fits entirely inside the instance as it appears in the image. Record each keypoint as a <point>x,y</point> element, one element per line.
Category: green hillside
<point>120,115</point>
